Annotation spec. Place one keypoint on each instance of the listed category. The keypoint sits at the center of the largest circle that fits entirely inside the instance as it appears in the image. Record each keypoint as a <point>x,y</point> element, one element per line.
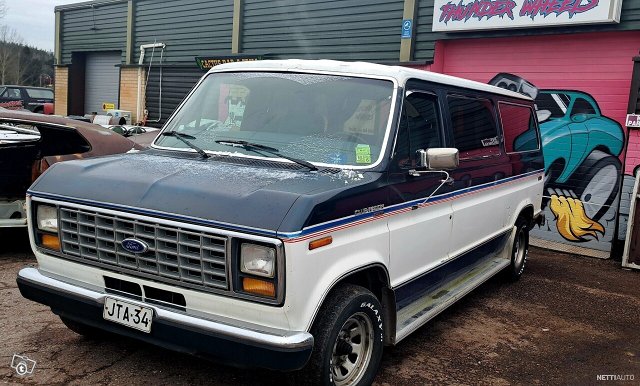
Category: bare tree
<point>9,40</point>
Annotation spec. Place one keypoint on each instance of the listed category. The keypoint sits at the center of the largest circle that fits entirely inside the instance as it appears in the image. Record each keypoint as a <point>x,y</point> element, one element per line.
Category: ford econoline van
<point>293,215</point>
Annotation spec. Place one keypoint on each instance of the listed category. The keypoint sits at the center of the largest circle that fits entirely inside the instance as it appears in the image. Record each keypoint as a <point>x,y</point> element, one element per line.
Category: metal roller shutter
<point>102,80</point>
<point>176,84</point>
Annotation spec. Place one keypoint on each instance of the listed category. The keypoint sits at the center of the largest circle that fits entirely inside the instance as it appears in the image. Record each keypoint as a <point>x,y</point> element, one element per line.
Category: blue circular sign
<point>134,245</point>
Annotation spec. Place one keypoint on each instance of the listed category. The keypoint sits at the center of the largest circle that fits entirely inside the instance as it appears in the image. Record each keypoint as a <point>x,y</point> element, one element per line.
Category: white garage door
<point>102,81</point>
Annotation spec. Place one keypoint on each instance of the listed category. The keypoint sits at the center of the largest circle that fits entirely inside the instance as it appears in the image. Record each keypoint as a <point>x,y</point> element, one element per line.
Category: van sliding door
<point>479,206</point>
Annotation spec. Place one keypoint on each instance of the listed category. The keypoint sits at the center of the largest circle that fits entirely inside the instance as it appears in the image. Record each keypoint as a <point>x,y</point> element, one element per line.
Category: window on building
<point>474,127</point>
<point>519,128</point>
<point>420,128</point>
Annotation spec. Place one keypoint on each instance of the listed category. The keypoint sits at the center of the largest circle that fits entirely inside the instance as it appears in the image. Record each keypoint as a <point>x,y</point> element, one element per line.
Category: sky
<point>34,20</point>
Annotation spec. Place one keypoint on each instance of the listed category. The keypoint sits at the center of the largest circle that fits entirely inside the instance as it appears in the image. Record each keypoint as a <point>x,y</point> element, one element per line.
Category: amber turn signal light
<point>51,242</point>
<point>320,242</point>
<point>258,287</point>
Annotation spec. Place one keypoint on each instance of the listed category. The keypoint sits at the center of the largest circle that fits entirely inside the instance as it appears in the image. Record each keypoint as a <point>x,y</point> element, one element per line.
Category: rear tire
<point>348,339</point>
<point>519,250</point>
<point>84,330</point>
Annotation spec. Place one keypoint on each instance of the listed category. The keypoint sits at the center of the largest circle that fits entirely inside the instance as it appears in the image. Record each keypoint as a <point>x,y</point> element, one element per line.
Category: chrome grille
<point>175,254</point>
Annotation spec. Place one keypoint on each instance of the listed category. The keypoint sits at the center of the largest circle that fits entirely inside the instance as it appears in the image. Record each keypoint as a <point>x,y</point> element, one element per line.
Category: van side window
<point>474,127</point>
<point>420,127</point>
<point>519,128</point>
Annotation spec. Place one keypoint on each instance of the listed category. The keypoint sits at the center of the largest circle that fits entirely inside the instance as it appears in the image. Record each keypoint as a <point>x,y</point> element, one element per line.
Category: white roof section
<point>401,74</point>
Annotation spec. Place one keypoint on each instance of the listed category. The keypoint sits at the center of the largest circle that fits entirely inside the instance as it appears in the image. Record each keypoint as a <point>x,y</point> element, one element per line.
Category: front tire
<point>348,339</point>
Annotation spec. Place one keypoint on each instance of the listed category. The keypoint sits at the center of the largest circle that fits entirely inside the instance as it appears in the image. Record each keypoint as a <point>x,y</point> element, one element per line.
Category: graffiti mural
<point>583,172</point>
<point>582,166</point>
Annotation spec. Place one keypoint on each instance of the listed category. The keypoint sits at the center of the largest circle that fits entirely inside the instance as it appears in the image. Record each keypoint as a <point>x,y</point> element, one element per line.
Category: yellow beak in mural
<point>572,221</point>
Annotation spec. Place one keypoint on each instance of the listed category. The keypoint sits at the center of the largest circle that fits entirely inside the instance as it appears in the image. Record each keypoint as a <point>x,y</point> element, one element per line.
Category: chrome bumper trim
<point>256,335</point>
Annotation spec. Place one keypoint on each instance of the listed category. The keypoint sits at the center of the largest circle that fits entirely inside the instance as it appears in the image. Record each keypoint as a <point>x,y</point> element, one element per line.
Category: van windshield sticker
<point>363,154</point>
<point>490,142</point>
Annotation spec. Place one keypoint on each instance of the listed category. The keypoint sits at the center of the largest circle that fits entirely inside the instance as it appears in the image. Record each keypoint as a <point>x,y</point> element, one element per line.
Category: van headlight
<point>258,260</point>
<point>47,218</point>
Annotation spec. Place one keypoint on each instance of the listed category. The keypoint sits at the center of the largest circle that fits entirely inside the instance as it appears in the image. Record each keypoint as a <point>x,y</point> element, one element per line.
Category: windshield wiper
<point>185,139</point>
<point>267,149</point>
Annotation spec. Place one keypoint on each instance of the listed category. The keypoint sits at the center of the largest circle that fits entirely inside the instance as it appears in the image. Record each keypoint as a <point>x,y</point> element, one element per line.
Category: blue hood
<point>253,197</point>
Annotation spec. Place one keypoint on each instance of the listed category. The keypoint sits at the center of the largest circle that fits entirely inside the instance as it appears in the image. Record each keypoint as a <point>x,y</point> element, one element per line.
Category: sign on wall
<point>208,62</point>
<point>467,15</point>
<point>633,120</point>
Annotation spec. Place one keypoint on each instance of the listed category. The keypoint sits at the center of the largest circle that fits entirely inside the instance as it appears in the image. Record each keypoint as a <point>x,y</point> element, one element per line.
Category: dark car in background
<point>34,99</point>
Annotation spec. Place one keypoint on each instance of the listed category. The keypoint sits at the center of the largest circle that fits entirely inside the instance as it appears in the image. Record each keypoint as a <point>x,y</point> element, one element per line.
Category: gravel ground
<point>568,319</point>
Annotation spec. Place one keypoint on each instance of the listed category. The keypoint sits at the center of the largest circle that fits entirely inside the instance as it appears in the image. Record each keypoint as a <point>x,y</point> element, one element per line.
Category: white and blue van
<point>293,215</point>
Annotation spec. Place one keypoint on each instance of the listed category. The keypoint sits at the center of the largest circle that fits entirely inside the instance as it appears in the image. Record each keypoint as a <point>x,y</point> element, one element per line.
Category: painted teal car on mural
<point>581,147</point>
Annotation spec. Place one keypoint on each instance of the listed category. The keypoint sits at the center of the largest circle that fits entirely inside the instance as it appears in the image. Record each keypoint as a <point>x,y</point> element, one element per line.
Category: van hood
<point>255,197</point>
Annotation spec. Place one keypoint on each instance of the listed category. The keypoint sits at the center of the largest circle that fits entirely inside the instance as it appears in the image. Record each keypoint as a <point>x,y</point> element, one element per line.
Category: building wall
<point>129,90</point>
<point>426,40</point>
<point>61,88</point>
<point>632,164</point>
<point>176,84</point>
<point>323,29</point>
<point>189,28</point>
<point>99,27</point>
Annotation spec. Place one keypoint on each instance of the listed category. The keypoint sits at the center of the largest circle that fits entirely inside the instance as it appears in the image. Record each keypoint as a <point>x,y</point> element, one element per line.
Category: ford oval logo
<point>134,245</point>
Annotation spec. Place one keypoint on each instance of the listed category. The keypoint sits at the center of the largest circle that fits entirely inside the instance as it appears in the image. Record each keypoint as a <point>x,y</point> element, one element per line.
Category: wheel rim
<point>519,249</point>
<point>352,350</point>
<point>599,189</point>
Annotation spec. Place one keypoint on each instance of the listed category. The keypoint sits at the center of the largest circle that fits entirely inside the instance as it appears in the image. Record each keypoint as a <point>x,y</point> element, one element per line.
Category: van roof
<point>401,74</point>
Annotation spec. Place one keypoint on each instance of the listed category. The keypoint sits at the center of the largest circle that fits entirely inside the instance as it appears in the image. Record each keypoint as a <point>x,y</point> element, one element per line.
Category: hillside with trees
<point>19,63</point>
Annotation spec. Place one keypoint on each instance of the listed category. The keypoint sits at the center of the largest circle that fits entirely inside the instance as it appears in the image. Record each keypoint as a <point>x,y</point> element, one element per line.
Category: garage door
<point>102,80</point>
<point>163,97</point>
<point>591,74</point>
<point>599,64</point>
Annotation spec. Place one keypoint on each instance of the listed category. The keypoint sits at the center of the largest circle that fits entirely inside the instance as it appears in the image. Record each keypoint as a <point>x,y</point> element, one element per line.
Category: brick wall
<point>62,90</point>
<point>129,90</point>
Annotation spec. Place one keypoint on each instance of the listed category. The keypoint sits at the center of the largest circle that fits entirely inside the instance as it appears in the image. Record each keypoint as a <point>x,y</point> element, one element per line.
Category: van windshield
<point>325,119</point>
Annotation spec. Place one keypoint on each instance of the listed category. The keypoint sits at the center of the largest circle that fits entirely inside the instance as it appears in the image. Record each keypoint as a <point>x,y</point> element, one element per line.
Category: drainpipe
<point>143,47</point>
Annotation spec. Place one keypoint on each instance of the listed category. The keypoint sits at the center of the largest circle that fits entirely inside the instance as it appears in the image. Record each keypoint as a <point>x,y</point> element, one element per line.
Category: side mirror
<point>444,158</point>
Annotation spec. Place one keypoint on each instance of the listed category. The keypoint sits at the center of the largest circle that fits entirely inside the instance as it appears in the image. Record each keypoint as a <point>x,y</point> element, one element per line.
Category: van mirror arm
<point>448,180</point>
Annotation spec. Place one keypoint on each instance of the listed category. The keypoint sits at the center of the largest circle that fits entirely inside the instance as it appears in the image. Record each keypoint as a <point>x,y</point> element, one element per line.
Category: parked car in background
<point>30,143</point>
<point>35,99</point>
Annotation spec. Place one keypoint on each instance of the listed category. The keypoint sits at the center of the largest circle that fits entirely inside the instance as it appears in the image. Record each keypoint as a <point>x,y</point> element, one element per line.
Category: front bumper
<point>226,342</point>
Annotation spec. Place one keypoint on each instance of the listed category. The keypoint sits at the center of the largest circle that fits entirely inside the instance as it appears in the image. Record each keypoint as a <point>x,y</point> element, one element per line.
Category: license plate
<point>129,314</point>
